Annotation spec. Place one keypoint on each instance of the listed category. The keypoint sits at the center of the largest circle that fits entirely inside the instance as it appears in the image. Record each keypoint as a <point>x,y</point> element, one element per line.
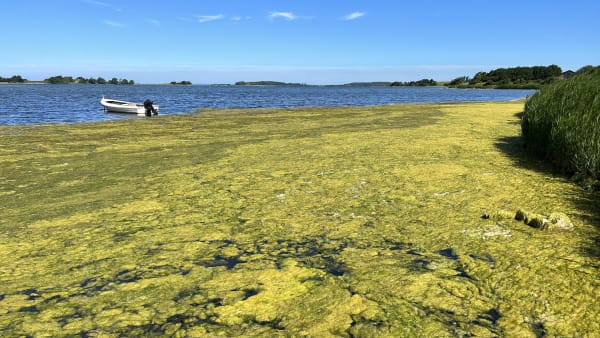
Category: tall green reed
<point>561,123</point>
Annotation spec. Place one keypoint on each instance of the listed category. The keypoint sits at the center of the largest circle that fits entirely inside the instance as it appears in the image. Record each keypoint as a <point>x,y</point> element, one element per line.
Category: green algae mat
<point>381,221</point>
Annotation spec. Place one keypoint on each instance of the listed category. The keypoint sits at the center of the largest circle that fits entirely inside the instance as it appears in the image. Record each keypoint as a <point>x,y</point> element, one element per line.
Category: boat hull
<point>118,106</point>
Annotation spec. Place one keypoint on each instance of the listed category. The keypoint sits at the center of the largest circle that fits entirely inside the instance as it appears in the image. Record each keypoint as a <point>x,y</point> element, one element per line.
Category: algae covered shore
<point>319,222</point>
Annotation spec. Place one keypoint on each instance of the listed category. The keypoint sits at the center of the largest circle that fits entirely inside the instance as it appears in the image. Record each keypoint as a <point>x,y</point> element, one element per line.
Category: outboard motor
<point>149,106</point>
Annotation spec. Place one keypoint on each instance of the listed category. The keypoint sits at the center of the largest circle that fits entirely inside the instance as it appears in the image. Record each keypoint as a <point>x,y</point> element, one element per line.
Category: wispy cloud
<point>209,18</point>
<point>283,15</point>
<point>353,16</point>
<point>97,3</point>
<point>104,4</point>
<point>114,24</point>
<point>154,22</point>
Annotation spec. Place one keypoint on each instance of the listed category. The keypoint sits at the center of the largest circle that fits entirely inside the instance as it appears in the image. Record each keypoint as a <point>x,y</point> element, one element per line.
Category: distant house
<point>567,74</point>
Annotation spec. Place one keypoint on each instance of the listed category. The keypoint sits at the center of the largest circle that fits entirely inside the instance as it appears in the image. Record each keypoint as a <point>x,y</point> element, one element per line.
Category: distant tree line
<point>589,69</point>
<point>181,83</point>
<point>420,83</point>
<point>462,80</point>
<point>268,83</point>
<point>81,80</point>
<point>13,79</point>
<point>510,78</point>
<point>368,84</point>
<point>516,77</point>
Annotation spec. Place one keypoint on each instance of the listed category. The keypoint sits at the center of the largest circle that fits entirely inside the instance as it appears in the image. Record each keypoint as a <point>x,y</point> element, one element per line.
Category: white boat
<point>118,106</point>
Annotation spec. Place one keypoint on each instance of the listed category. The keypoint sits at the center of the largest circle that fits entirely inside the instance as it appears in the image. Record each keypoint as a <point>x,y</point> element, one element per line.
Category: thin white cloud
<point>209,18</point>
<point>154,22</point>
<point>98,3</point>
<point>114,24</point>
<point>240,18</point>
<point>104,4</point>
<point>353,16</point>
<point>283,15</point>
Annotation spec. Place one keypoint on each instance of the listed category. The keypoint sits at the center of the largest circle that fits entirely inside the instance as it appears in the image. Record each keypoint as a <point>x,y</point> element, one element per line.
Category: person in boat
<point>149,106</point>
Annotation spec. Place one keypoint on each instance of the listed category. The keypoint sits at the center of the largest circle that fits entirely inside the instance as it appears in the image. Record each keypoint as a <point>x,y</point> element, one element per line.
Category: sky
<point>304,41</point>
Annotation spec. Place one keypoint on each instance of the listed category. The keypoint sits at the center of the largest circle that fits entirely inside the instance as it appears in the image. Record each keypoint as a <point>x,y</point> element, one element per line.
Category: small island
<point>60,79</point>
<point>81,80</point>
<point>13,79</point>
<point>181,83</point>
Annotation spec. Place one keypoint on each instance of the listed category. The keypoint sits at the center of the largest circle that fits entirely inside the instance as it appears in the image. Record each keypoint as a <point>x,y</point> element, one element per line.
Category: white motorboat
<point>118,106</point>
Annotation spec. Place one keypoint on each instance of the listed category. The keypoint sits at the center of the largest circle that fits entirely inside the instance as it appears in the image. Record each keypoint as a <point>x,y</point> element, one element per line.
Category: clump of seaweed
<point>554,220</point>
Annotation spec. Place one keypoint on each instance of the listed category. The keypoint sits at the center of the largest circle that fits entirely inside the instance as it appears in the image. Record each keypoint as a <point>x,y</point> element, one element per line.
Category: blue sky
<point>315,42</point>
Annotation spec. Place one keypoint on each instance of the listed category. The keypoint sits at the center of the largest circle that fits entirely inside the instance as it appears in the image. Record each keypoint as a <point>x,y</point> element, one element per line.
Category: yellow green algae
<point>315,222</point>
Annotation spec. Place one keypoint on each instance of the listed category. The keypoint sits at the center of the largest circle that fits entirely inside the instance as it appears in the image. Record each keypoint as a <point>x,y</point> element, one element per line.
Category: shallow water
<point>32,104</point>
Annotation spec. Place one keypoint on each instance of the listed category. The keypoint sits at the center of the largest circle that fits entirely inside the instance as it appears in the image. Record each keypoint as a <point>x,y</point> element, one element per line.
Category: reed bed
<point>561,123</point>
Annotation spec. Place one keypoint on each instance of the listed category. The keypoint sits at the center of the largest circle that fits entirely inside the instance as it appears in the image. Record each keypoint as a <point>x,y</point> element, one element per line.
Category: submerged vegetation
<point>561,123</point>
<point>408,220</point>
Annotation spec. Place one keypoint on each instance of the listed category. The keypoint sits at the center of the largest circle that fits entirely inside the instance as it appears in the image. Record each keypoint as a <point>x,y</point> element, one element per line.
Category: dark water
<point>31,103</point>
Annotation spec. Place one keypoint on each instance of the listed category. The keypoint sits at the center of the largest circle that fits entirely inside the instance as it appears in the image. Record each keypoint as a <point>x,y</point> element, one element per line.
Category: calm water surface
<point>33,103</point>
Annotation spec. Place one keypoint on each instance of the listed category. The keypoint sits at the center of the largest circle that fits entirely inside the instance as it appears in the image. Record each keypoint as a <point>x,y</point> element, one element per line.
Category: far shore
<point>440,84</point>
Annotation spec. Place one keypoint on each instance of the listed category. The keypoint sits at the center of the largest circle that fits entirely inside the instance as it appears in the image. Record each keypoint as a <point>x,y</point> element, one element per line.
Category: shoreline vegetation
<point>502,78</point>
<point>398,220</point>
<point>560,124</point>
<point>59,79</point>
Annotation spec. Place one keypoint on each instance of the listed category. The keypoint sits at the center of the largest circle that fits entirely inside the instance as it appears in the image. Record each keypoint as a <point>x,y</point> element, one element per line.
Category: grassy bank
<point>318,222</point>
<point>561,123</point>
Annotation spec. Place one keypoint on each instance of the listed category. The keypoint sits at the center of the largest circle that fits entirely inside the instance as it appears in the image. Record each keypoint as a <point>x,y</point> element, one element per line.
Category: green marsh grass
<point>561,123</point>
<point>317,222</point>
